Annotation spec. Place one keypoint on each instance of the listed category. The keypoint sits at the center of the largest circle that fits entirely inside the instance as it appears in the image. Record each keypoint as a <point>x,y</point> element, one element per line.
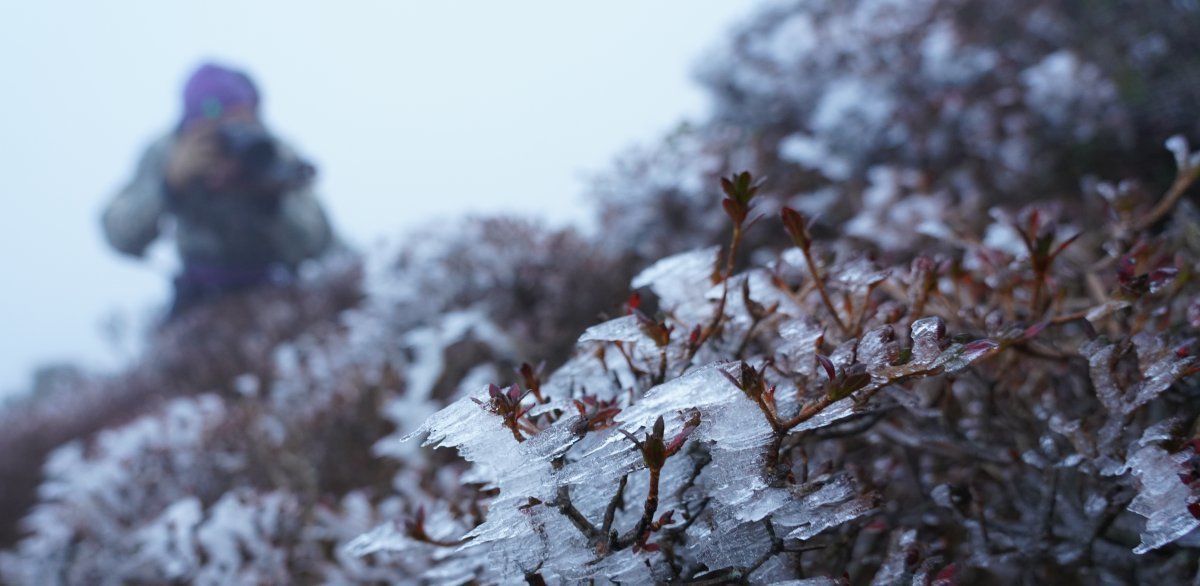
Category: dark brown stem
<point>719,314</point>
<point>919,304</point>
<point>535,579</point>
<point>733,247</point>
<point>862,311</point>
<point>862,422</point>
<point>820,284</point>
<point>778,430</point>
<point>1035,305</point>
<point>528,427</point>
<point>1178,188</point>
<point>690,519</point>
<point>515,428</point>
<point>746,339</point>
<point>808,412</point>
<point>1029,349</point>
<point>537,395</point>
<point>769,413</point>
<point>563,502</point>
<point>611,511</point>
<point>741,575</point>
<point>1050,506</point>
<point>700,459</point>
<point>443,542</point>
<point>628,359</point>
<point>711,328</point>
<point>1070,317</point>
<point>776,547</point>
<point>1111,512</point>
<point>773,453</point>
<point>648,510</point>
<point>983,524</point>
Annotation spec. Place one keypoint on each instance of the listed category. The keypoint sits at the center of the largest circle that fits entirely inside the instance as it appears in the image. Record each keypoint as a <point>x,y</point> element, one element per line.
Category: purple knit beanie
<point>213,89</point>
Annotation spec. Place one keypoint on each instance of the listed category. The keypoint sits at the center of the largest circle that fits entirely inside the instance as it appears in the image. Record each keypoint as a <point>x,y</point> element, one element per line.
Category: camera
<point>260,164</point>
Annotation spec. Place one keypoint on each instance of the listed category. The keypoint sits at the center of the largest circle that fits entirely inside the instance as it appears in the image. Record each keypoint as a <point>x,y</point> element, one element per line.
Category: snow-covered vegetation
<point>943,333</point>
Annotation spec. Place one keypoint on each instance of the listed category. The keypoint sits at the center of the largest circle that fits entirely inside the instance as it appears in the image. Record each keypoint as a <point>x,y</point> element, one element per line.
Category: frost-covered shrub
<point>541,286</point>
<point>269,407</point>
<point>206,351</point>
<point>935,383</point>
<point>1017,411</point>
<point>973,101</point>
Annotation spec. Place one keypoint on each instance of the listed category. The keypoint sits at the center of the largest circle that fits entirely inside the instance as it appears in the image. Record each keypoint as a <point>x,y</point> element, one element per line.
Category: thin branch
<point>1167,203</point>
<point>563,502</point>
<point>648,510</point>
<point>820,283</point>
<point>776,547</point>
<point>740,575</point>
<point>741,350</point>
<point>700,459</point>
<point>611,511</point>
<point>809,411</point>
<point>861,316</point>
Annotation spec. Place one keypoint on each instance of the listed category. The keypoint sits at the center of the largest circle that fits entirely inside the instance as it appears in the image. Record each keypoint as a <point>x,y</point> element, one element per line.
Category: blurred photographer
<point>241,201</point>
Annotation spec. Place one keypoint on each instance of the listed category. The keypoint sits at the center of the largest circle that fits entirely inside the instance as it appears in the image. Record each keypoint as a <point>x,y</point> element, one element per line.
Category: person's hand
<point>195,157</point>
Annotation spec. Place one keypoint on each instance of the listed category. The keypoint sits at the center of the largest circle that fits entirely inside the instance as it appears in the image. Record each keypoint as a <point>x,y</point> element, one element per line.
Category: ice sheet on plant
<point>960,356</point>
<point>584,373</point>
<point>927,336</point>
<point>802,338</point>
<point>836,411</point>
<point>1161,367</point>
<point>1161,431</point>
<point>680,280</point>
<point>621,329</point>
<point>734,545</point>
<point>878,348</point>
<point>386,537</point>
<point>449,426</point>
<point>820,581</point>
<point>1162,498</point>
<point>859,275</point>
<point>704,388</point>
<point>823,503</point>
<point>894,568</point>
<point>170,540</point>
<point>763,291</point>
<point>538,537</point>
<point>737,433</point>
<point>235,538</point>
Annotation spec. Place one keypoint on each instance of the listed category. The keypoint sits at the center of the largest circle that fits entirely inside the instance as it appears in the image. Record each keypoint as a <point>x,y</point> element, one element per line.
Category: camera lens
<point>252,148</point>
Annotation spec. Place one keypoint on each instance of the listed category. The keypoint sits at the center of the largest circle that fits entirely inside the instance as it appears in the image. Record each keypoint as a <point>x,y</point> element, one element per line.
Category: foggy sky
<point>412,111</point>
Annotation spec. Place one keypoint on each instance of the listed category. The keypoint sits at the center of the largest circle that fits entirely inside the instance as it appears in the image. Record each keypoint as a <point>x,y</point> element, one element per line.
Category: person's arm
<point>131,219</point>
<point>302,226</point>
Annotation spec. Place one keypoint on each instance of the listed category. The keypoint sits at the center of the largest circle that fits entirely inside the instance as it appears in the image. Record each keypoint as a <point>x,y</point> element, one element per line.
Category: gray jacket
<point>227,230</point>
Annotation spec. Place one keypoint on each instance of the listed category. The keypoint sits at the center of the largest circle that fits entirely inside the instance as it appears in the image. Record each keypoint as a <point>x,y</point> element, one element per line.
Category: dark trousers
<point>202,284</point>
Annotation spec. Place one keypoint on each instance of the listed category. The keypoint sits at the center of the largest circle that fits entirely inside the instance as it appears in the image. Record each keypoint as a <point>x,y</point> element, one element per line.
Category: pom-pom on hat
<point>214,89</point>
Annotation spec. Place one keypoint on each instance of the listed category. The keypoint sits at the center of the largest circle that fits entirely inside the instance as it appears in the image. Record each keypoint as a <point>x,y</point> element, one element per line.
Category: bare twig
<point>564,504</point>
<point>616,502</point>
<point>649,507</point>
<point>1182,182</point>
<point>820,284</point>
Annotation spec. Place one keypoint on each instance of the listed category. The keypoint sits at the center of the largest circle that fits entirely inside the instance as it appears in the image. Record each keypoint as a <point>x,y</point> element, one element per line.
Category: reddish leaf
<point>946,576</point>
<point>797,227</point>
<point>827,364</point>
<point>736,211</point>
